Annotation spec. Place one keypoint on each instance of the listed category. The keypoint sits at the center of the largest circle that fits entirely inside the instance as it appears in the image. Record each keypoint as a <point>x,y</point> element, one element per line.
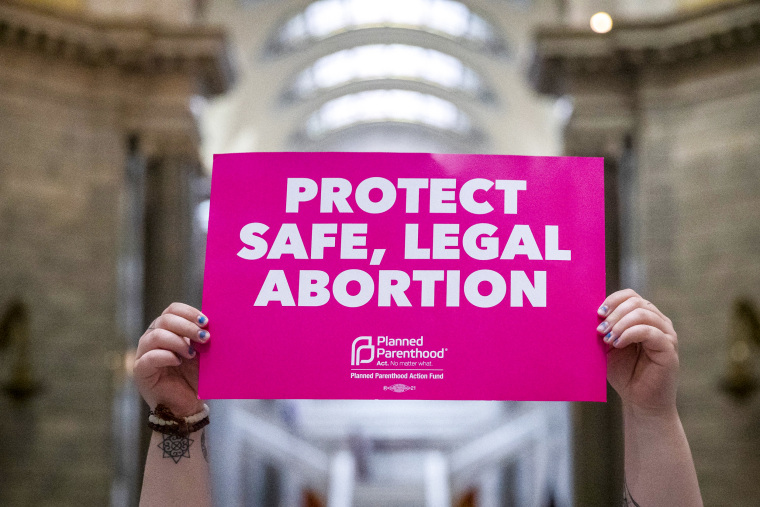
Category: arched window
<point>388,61</point>
<point>388,106</point>
<point>325,18</point>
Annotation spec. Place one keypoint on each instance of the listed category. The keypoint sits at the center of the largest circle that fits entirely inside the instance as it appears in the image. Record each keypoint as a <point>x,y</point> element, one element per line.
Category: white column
<point>437,484</point>
<point>342,479</point>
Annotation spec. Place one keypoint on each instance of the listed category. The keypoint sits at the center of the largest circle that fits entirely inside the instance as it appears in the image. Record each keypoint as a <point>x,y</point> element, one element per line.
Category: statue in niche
<point>14,344</point>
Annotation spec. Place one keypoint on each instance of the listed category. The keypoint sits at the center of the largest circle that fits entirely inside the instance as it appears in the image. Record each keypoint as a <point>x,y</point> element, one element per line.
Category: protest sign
<point>404,276</point>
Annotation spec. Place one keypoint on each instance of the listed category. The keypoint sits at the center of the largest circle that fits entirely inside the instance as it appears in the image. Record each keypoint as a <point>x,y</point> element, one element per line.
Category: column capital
<point>133,47</point>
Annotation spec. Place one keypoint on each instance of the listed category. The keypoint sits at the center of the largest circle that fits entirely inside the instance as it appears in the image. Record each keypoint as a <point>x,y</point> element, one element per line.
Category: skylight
<point>387,106</point>
<point>324,18</point>
<point>387,61</point>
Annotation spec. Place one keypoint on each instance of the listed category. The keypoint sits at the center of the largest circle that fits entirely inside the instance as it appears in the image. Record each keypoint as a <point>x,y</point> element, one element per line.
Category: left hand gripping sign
<point>404,276</point>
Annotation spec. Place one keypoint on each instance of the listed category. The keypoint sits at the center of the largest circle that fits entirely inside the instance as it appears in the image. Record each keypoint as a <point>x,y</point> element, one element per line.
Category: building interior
<point>111,112</point>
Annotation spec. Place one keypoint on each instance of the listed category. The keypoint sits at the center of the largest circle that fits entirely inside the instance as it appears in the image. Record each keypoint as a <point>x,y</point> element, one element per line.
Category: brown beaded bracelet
<point>162,420</point>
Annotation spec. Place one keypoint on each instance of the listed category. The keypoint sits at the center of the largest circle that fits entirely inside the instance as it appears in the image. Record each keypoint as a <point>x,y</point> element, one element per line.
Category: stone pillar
<point>597,427</point>
<point>168,255</point>
<point>169,210</point>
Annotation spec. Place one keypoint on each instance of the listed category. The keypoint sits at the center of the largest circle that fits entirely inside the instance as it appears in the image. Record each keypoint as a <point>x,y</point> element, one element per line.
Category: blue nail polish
<point>603,326</point>
<point>191,351</point>
<point>203,335</point>
<point>616,340</point>
<point>603,310</point>
<point>608,336</point>
<point>202,319</point>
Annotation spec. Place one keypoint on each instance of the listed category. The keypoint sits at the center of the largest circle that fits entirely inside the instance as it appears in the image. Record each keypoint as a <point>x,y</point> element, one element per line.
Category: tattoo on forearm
<point>176,447</point>
<point>628,500</point>
<point>203,446</point>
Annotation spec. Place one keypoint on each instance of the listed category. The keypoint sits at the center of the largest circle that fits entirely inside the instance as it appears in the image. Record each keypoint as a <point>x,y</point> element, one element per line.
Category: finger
<point>631,304</point>
<point>651,307</point>
<point>649,337</point>
<point>614,300</point>
<point>150,362</point>
<point>635,317</point>
<point>182,327</point>
<point>619,310</point>
<point>634,304</point>
<point>188,312</point>
<point>671,330</point>
<point>164,339</point>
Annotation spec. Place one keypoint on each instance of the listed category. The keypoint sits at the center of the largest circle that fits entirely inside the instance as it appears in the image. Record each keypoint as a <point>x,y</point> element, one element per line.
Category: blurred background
<point>110,111</point>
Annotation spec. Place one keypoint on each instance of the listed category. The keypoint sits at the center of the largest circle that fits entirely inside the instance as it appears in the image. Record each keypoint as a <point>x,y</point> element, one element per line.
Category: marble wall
<point>74,100</point>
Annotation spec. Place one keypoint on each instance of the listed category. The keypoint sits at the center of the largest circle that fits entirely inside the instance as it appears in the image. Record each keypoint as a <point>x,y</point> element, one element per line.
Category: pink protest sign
<point>404,276</point>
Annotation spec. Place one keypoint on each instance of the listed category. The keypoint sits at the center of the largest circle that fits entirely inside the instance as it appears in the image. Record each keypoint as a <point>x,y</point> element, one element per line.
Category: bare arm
<point>166,372</point>
<point>658,466</point>
<point>642,364</point>
<point>176,471</point>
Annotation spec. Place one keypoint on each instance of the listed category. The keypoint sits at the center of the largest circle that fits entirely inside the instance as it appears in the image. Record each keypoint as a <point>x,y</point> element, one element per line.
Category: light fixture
<point>601,22</point>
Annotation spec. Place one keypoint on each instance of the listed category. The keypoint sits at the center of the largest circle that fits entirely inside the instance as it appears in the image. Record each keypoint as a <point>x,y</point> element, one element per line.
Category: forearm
<point>659,469</point>
<point>176,471</point>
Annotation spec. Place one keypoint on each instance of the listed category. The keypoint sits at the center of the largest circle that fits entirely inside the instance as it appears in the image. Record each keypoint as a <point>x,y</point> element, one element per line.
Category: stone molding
<point>720,29</point>
<point>131,46</point>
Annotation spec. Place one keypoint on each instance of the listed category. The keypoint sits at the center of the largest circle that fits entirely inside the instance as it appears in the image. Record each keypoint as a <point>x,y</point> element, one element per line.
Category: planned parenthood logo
<point>357,348</point>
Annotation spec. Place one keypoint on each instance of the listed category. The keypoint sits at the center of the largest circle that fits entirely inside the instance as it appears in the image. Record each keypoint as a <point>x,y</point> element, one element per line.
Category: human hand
<point>642,362</point>
<point>166,364</point>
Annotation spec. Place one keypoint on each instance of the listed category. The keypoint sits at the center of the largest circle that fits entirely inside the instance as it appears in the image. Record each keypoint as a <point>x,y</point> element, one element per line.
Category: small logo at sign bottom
<point>399,388</point>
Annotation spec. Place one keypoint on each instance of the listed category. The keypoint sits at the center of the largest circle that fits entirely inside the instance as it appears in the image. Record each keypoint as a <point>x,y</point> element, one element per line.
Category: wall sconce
<point>740,381</point>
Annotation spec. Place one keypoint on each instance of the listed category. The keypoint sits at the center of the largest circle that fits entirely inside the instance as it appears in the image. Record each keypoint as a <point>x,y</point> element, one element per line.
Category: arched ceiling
<point>317,71</point>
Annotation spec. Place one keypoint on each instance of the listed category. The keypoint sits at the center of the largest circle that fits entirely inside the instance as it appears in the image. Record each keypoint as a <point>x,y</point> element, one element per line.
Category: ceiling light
<point>601,22</point>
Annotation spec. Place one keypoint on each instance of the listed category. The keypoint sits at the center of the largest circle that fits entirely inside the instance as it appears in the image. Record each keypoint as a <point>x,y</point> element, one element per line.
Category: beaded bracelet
<point>162,420</point>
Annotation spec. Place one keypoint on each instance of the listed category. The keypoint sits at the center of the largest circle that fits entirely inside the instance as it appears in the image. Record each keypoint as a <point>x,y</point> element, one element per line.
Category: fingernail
<point>603,310</point>
<point>203,335</point>
<point>602,326</point>
<point>202,319</point>
<point>191,351</point>
<point>608,337</point>
<point>616,341</point>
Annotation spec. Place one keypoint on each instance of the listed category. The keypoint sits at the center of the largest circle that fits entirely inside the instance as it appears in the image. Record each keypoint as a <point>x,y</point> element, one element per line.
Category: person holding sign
<point>642,363</point>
